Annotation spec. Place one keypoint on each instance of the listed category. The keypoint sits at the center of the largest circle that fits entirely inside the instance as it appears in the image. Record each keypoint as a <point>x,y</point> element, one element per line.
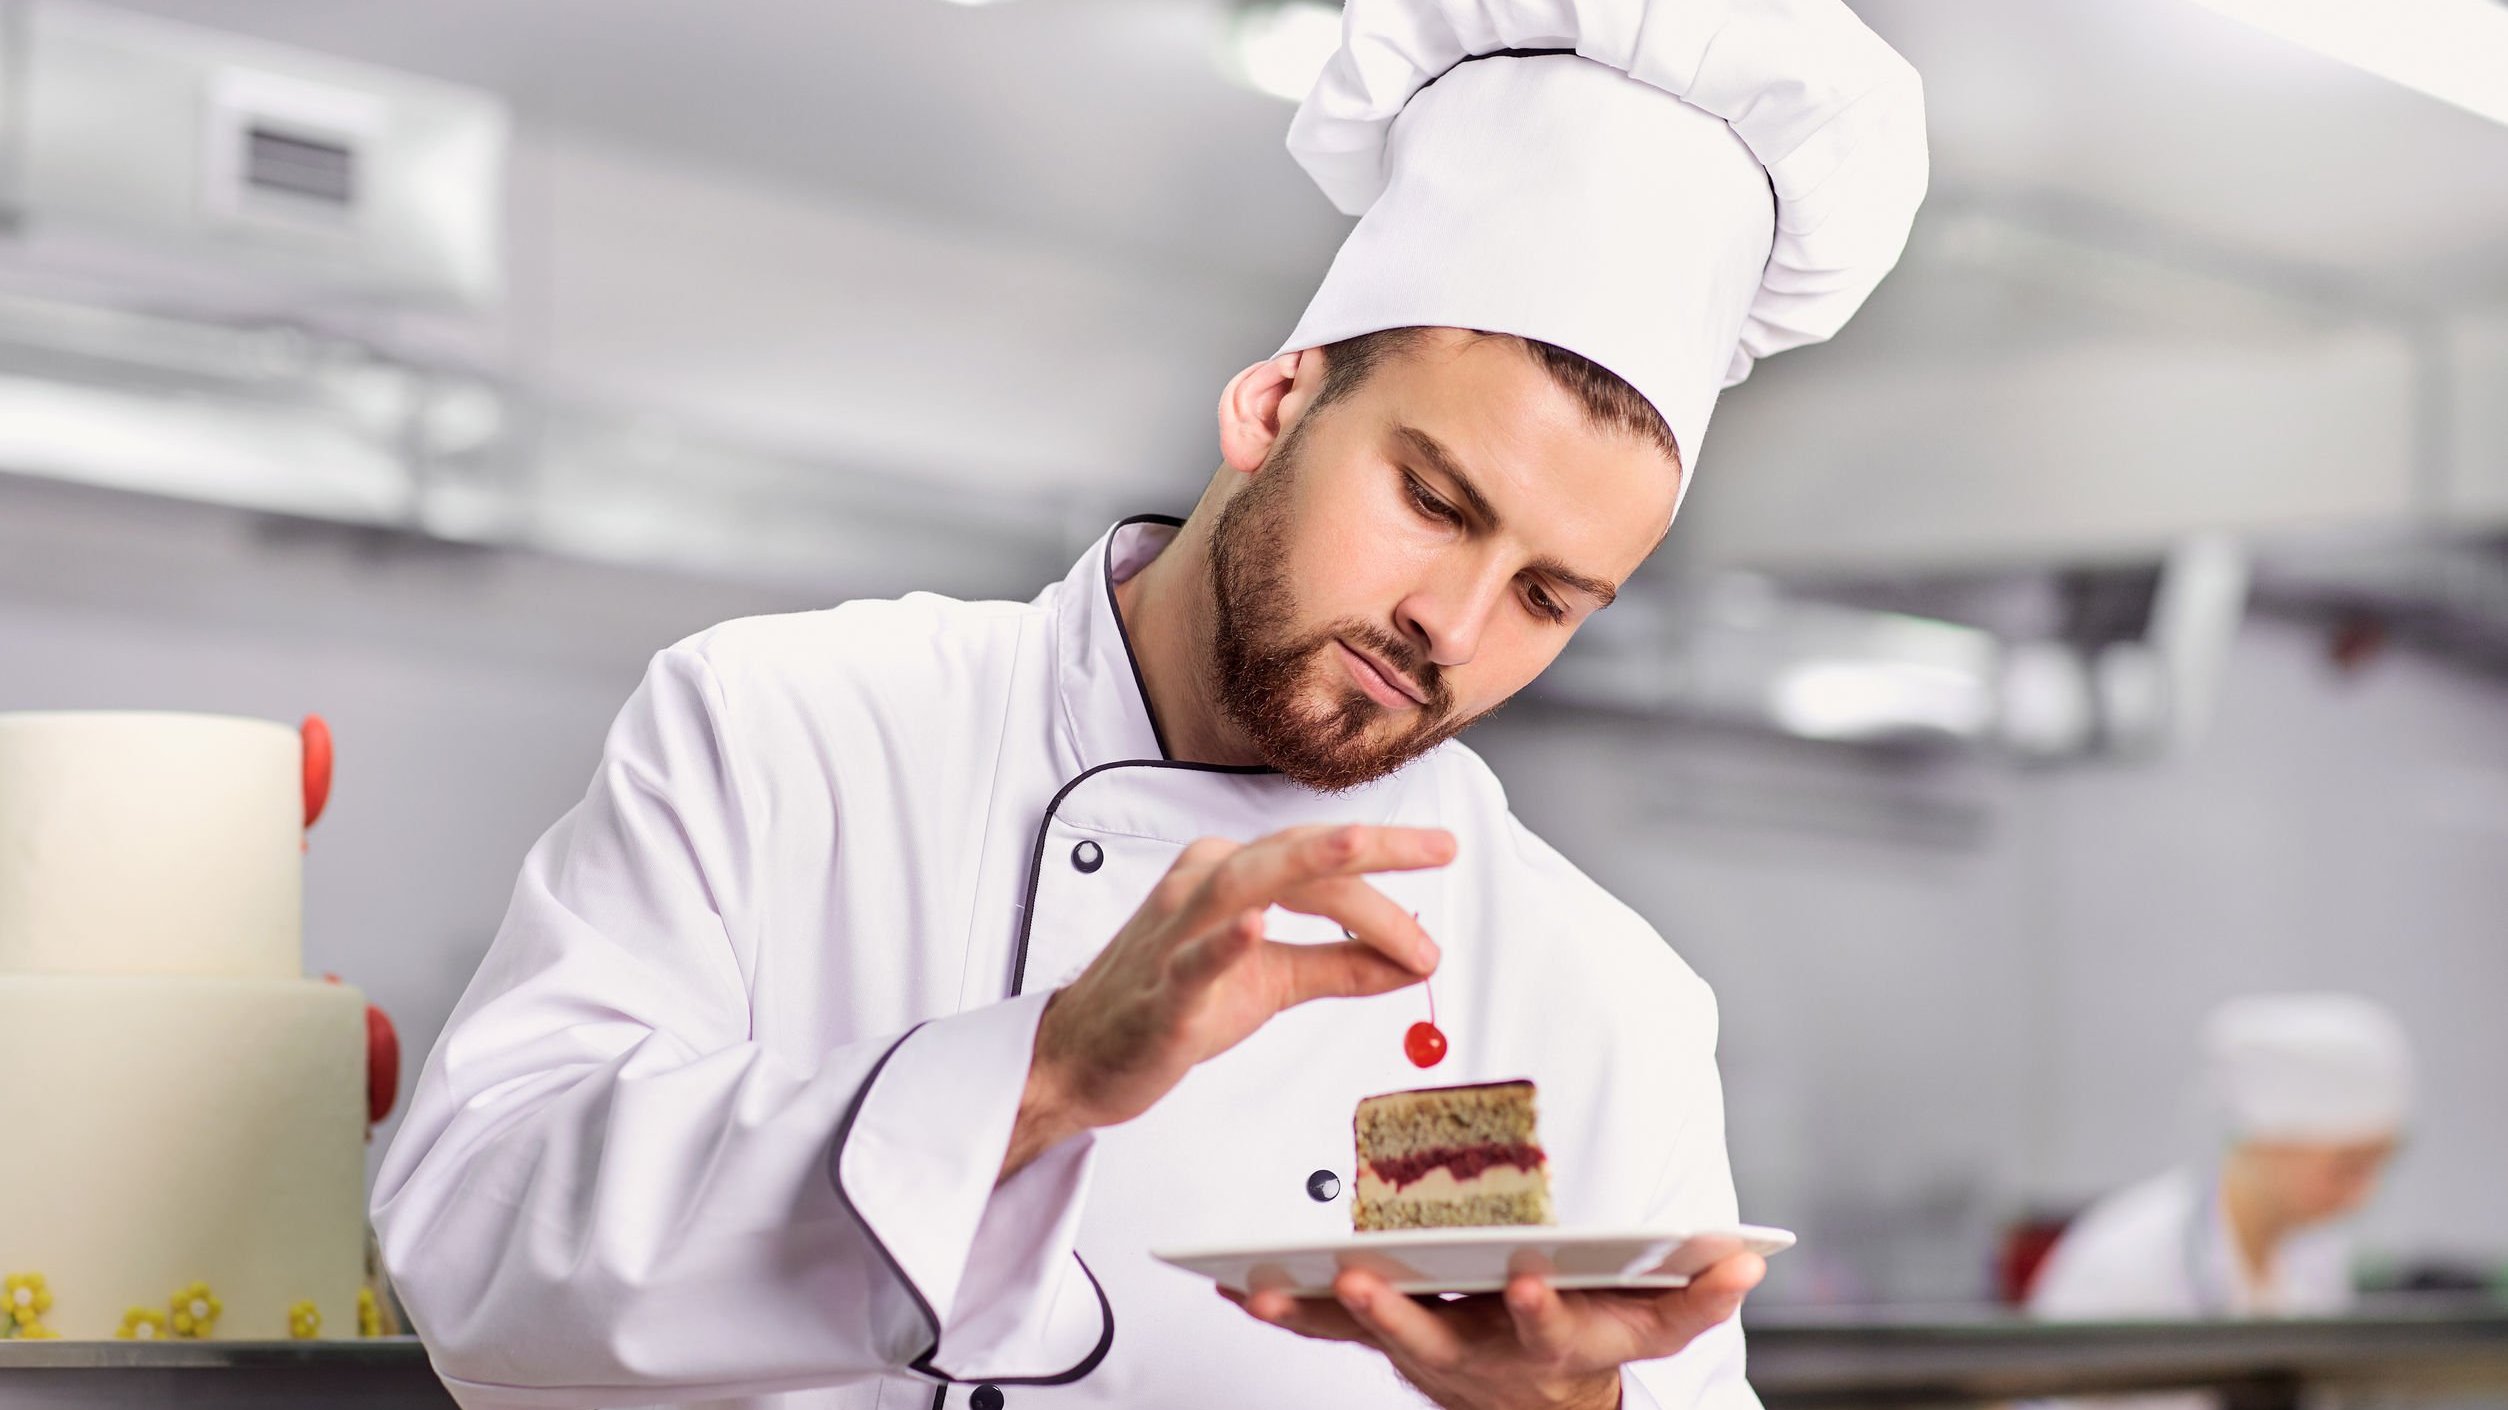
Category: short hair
<point>1609,401</point>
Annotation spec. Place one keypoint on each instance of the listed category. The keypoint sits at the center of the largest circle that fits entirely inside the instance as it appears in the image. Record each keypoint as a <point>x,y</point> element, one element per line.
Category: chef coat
<point>721,1116</point>
<point>2163,1249</point>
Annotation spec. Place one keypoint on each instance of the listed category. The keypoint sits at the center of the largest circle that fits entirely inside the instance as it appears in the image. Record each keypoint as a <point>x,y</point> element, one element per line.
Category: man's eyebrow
<point>1428,448</point>
<point>1441,460</point>
<point>1602,592</point>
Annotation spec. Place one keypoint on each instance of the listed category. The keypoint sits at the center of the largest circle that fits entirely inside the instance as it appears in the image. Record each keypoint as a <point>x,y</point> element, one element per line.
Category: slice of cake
<point>1450,1157</point>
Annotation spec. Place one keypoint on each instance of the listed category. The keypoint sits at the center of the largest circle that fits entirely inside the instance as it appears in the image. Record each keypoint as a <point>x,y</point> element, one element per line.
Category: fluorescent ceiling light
<point>2452,50</point>
<point>1879,699</point>
<point>1279,46</point>
<point>285,460</point>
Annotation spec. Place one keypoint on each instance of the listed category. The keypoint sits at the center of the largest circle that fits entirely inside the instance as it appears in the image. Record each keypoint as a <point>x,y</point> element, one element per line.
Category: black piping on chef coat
<point>922,1364</point>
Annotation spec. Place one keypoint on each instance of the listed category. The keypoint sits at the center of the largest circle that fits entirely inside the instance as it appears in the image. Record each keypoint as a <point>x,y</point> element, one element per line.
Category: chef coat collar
<point>1106,715</point>
<point>1105,703</point>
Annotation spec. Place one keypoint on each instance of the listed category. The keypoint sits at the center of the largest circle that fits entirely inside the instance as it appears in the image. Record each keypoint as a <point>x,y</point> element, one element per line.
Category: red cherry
<point>317,735</point>
<point>1424,1045</point>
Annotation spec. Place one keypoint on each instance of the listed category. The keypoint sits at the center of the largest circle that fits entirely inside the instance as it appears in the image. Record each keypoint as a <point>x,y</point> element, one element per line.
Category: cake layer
<point>158,1133</point>
<point>1466,1212</point>
<point>135,843</point>
<point>1446,1118</point>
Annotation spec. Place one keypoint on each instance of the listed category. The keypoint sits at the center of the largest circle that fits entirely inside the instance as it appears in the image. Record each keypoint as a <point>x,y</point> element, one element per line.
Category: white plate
<point>1481,1260</point>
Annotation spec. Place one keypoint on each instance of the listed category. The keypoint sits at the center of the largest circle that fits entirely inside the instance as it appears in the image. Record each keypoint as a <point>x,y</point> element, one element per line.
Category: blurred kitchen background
<point>2113,619</point>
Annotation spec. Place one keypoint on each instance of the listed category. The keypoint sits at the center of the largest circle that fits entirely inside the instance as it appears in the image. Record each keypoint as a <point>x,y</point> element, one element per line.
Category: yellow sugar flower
<point>369,1314</point>
<point>142,1324</point>
<point>24,1299</point>
<point>195,1312</point>
<point>304,1321</point>
<point>37,1331</point>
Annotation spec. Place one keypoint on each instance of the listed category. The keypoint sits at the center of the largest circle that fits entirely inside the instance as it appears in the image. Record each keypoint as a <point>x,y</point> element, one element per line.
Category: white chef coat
<point>2163,1250</point>
<point>720,1117</point>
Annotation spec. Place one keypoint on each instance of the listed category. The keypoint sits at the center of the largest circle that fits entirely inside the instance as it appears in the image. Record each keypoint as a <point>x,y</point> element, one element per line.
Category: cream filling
<point>1440,1185</point>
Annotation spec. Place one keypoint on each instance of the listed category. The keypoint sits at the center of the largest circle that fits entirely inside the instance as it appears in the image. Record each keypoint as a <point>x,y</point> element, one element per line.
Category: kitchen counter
<point>1808,1362</point>
<point>1798,1362</point>
<point>384,1373</point>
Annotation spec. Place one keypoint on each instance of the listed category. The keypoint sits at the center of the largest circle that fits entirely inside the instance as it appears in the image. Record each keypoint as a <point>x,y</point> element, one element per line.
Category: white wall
<point>1922,1040</point>
<point>1954,424</point>
<point>2100,450</point>
<point>468,693</point>
<point>2477,461</point>
<point>867,336</point>
<point>1876,1008</point>
<point>2331,832</point>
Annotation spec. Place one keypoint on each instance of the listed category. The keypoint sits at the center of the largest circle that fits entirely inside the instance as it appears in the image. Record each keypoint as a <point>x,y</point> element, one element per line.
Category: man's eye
<point>1429,504</point>
<point>1544,604</point>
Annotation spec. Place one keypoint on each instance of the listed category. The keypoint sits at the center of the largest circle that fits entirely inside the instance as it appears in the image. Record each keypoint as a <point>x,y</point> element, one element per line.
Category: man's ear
<point>1253,407</point>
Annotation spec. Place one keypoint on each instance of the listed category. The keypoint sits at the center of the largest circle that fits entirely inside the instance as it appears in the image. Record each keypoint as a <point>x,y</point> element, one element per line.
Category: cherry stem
<point>1429,987</point>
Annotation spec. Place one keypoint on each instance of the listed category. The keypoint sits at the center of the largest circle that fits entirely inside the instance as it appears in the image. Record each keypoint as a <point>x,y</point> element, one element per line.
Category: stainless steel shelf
<point>386,1373</point>
<point>1813,1363</point>
<point>172,1354</point>
<point>1796,1363</point>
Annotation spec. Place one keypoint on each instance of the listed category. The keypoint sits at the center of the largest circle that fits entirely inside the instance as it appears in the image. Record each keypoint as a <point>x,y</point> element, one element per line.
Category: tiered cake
<point>182,1113</point>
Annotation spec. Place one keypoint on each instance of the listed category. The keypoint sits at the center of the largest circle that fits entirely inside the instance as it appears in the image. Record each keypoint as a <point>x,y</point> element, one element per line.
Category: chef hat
<point>1673,189</point>
<point>2308,1067</point>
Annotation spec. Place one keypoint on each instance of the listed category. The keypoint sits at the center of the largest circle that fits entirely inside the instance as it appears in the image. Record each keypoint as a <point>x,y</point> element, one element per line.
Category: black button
<point>1323,1187</point>
<point>990,1397</point>
<point>1087,856</point>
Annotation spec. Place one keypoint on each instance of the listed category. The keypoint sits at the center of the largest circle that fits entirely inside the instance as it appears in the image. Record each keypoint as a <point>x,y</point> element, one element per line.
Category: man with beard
<point>913,968</point>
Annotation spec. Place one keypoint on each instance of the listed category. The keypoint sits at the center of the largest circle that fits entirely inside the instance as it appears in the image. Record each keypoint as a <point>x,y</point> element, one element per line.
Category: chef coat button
<point>1087,856</point>
<point>1323,1187</point>
<point>987,1398</point>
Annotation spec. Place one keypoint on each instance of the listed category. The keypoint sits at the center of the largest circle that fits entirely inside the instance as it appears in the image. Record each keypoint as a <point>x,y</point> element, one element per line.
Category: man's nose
<point>1447,614</point>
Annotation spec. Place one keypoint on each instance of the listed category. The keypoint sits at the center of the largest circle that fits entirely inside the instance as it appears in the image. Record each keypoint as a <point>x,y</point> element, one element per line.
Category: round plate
<point>1481,1260</point>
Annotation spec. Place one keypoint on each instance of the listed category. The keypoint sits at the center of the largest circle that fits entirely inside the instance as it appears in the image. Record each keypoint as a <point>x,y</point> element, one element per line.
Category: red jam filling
<point>1463,1162</point>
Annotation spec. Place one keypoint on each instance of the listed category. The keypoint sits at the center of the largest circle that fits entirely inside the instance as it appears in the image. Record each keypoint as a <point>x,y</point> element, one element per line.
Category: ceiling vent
<point>157,156</point>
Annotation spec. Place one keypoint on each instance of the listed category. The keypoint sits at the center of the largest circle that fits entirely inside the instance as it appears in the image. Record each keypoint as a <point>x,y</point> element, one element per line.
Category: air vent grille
<point>304,167</point>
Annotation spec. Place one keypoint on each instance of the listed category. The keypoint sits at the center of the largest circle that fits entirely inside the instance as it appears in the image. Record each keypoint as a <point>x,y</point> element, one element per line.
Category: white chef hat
<point>2308,1067</point>
<point>1676,188</point>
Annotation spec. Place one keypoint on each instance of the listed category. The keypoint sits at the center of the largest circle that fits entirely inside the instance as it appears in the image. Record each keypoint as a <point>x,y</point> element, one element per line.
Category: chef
<point>912,968</point>
<point>2312,1092</point>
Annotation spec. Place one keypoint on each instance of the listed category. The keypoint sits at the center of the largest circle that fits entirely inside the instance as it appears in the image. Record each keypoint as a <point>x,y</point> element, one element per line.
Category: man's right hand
<point>1192,975</point>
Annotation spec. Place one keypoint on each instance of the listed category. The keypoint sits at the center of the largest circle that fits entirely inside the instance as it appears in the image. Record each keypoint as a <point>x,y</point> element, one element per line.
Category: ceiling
<point>1099,124</point>
<point>2151,126</point>
<point>2162,125</point>
<point>2140,178</point>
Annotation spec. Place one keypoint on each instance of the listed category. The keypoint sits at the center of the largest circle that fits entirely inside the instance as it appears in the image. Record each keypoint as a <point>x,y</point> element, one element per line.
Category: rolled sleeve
<point>997,1290</point>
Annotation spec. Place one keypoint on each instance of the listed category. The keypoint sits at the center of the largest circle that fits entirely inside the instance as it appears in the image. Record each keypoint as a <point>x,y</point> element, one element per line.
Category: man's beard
<point>1264,677</point>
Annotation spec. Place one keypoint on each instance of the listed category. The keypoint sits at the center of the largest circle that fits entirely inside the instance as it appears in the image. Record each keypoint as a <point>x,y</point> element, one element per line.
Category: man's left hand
<point>1533,1347</point>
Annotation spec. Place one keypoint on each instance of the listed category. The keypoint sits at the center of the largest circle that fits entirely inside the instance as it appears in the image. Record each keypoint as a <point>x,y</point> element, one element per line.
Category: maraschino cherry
<point>1425,1044</point>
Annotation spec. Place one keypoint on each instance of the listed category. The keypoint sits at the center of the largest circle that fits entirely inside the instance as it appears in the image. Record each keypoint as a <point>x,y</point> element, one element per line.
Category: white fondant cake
<point>151,844</point>
<point>182,1115</point>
